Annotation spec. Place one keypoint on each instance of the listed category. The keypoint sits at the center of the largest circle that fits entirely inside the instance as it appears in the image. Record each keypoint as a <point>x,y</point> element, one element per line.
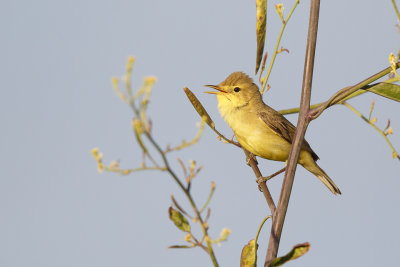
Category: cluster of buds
<point>98,156</point>
<point>279,9</point>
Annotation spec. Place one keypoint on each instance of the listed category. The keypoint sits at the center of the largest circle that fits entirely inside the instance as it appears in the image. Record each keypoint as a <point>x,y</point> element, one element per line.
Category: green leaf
<point>249,254</point>
<point>261,29</point>
<point>199,107</point>
<point>297,251</point>
<point>389,90</point>
<point>179,220</point>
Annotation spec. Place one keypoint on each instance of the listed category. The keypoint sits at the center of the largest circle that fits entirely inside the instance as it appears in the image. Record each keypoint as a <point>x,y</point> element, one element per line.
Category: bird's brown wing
<point>284,128</point>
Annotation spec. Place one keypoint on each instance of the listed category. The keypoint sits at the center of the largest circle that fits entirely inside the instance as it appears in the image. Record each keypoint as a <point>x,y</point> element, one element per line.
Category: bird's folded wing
<point>284,128</point>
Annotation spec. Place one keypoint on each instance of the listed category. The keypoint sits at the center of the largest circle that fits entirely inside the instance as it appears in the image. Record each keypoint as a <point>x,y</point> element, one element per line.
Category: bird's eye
<point>237,89</point>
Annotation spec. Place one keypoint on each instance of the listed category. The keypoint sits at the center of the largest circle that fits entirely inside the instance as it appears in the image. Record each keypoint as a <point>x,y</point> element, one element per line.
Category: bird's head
<point>236,91</point>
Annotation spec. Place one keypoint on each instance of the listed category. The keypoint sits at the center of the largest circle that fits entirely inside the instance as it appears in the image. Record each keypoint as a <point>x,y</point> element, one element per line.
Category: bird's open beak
<point>216,88</point>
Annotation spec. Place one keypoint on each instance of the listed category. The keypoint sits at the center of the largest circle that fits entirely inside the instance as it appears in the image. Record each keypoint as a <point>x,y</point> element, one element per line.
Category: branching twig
<point>284,23</point>
<point>194,141</point>
<point>141,125</point>
<point>188,196</point>
<point>346,92</point>
<point>372,123</point>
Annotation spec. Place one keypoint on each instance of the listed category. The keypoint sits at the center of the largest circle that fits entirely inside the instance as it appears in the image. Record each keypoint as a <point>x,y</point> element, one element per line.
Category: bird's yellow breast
<point>254,135</point>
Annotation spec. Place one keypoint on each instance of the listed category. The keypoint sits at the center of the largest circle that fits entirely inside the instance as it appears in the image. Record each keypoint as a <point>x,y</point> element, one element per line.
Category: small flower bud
<point>279,8</point>
<point>188,237</point>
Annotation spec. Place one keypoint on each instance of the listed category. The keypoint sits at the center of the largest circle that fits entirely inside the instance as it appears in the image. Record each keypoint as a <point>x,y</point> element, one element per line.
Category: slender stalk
<point>284,23</point>
<point>296,110</point>
<point>189,197</point>
<point>280,213</point>
<point>261,226</point>
<point>394,152</point>
<point>209,198</point>
<point>396,9</point>
<point>185,191</point>
<point>185,144</point>
<point>141,116</point>
<point>127,171</point>
<point>345,92</point>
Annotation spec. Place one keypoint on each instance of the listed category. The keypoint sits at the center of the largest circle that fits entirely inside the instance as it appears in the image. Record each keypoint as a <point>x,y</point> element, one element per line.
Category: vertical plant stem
<point>279,215</point>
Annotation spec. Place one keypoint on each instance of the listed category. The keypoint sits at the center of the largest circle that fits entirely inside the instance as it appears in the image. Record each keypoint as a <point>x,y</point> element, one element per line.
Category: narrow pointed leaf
<point>249,254</point>
<point>261,29</point>
<point>179,220</point>
<point>180,246</point>
<point>389,90</point>
<point>297,251</point>
<point>199,107</point>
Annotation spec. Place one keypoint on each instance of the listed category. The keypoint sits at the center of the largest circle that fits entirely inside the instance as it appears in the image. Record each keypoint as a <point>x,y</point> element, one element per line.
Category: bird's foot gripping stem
<point>261,179</point>
<point>250,157</point>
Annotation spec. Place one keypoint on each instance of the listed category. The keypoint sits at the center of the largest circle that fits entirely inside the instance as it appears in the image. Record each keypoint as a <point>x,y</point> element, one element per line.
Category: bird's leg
<point>250,157</point>
<point>264,179</point>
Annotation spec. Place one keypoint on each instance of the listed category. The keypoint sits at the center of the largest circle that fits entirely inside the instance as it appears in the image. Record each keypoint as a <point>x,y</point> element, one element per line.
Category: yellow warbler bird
<point>260,129</point>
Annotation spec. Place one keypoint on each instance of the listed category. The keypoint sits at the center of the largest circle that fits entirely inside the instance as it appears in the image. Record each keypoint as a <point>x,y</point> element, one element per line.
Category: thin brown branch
<point>264,188</point>
<point>279,215</point>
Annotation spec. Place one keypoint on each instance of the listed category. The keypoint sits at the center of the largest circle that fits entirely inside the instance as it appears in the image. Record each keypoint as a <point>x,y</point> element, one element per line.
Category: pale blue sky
<point>56,101</point>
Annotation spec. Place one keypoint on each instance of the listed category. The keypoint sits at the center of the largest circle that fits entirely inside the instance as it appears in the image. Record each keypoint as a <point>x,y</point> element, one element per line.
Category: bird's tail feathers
<point>322,176</point>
